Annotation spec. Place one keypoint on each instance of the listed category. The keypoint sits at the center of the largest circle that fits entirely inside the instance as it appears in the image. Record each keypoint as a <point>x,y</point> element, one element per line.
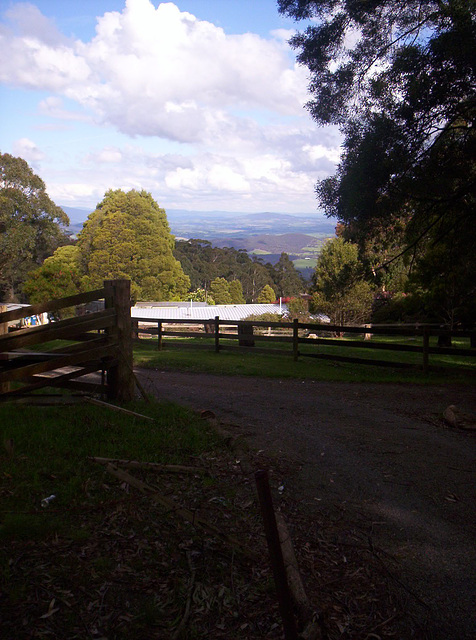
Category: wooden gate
<point>90,342</point>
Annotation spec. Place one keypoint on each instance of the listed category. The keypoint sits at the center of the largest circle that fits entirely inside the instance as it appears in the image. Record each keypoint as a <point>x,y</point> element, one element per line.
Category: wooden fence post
<point>135,329</point>
<point>121,377</point>
<point>295,339</point>
<point>4,386</point>
<point>245,335</point>
<point>159,336</point>
<point>426,345</point>
<point>217,334</point>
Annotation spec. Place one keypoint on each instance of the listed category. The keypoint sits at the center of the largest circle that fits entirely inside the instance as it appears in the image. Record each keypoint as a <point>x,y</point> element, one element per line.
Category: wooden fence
<point>295,334</point>
<point>98,341</point>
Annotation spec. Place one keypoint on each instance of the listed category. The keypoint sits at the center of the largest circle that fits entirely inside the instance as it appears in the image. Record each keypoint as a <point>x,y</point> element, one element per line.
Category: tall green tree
<point>339,289</point>
<point>32,226</point>
<point>288,280</point>
<point>220,291</point>
<point>236,292</point>
<point>399,79</point>
<point>59,276</point>
<point>128,236</point>
<point>267,295</point>
<point>254,276</point>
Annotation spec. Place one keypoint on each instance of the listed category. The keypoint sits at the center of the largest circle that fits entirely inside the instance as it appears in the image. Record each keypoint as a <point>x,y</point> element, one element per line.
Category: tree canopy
<point>31,225</point>
<point>288,280</point>
<point>59,276</point>
<point>203,263</point>
<point>220,291</point>
<point>128,236</point>
<point>267,295</point>
<point>339,290</point>
<point>399,79</point>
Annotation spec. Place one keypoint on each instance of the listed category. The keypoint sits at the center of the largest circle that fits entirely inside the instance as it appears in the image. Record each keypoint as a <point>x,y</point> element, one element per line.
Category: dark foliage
<point>399,79</point>
<point>31,225</point>
<point>203,263</point>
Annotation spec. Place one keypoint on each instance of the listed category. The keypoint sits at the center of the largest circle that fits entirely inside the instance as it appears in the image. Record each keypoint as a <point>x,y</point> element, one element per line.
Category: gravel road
<point>376,457</point>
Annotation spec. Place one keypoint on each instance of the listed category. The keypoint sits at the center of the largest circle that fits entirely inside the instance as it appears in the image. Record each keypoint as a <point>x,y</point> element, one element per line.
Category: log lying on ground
<point>306,614</point>
<point>154,466</point>
<point>114,407</point>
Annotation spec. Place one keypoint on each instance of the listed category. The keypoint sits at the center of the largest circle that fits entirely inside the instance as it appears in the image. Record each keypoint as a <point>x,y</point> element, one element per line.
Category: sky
<point>199,102</point>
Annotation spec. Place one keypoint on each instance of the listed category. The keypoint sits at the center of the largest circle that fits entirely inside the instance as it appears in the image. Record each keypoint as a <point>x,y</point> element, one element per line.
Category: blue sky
<point>200,102</point>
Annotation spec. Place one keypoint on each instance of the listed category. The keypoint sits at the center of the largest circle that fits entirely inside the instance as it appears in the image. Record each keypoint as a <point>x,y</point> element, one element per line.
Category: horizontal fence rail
<point>294,334</point>
<point>52,305</point>
<point>89,342</point>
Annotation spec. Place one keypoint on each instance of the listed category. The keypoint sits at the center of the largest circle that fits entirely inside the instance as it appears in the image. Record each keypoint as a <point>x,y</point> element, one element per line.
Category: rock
<point>458,419</point>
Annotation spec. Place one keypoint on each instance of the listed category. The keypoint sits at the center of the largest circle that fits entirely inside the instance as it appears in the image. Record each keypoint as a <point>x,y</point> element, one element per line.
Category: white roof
<point>223,311</point>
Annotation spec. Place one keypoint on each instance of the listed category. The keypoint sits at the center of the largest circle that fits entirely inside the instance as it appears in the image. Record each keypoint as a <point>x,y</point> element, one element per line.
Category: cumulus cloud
<point>29,22</point>
<point>319,151</point>
<point>153,71</point>
<point>53,106</point>
<point>27,149</point>
<point>108,155</point>
<point>232,103</point>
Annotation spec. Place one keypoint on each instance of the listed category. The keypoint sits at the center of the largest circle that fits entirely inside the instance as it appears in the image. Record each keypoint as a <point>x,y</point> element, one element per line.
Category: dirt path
<point>377,457</point>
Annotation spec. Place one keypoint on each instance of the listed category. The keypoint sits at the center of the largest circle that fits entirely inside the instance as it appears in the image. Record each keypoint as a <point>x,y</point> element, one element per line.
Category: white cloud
<point>145,60</point>
<point>75,192</point>
<point>108,155</point>
<point>30,22</point>
<point>27,149</point>
<point>319,151</point>
<point>283,34</point>
<point>229,107</point>
<point>209,174</point>
<point>53,106</point>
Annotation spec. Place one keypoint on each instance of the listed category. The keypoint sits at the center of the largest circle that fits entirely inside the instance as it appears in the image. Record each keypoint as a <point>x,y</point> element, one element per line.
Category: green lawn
<point>195,354</point>
<point>51,446</point>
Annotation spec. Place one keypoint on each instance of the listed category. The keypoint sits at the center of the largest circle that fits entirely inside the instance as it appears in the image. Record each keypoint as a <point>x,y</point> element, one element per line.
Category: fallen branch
<point>114,407</point>
<point>141,389</point>
<point>155,466</point>
<point>185,514</point>
<point>306,615</point>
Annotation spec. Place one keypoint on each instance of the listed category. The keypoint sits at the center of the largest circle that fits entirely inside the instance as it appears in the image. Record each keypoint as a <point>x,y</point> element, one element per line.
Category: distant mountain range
<point>224,224</point>
<point>265,234</point>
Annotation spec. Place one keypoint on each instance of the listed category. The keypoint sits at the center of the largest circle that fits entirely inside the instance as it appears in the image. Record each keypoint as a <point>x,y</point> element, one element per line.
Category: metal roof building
<point>206,313</point>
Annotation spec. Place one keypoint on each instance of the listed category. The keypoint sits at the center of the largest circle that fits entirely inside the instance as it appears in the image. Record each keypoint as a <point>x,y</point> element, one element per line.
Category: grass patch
<point>303,263</point>
<point>101,560</point>
<point>51,446</point>
<point>197,355</point>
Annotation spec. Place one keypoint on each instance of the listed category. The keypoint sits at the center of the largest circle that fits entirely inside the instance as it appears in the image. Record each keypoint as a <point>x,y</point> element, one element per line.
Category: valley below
<point>264,235</point>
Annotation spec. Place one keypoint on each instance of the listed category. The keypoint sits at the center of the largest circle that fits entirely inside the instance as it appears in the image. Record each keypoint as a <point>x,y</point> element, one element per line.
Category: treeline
<point>247,279</point>
<point>359,277</point>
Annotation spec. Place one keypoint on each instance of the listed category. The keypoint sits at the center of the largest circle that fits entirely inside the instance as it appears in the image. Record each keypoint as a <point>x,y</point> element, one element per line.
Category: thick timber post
<point>295,339</point>
<point>4,386</point>
<point>217,334</point>
<point>426,346</point>
<point>160,338</point>
<point>121,376</point>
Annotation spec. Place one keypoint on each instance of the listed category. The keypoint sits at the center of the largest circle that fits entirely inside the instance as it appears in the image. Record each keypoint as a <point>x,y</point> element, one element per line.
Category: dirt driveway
<point>376,457</point>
